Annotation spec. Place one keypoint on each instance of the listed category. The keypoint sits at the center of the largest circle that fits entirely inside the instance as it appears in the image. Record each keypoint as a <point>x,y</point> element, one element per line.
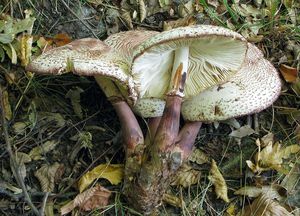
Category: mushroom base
<point>160,161</point>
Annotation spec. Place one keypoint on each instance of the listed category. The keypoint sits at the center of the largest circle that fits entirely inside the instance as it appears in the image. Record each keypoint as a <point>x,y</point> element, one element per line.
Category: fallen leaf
<point>173,200</point>
<point>272,192</point>
<point>218,181</point>
<point>289,74</point>
<point>143,10</point>
<point>37,152</point>
<point>48,175</point>
<point>60,39</point>
<point>111,172</point>
<point>264,206</point>
<point>83,140</point>
<point>231,210</point>
<point>186,176</point>
<point>6,105</point>
<point>265,140</point>
<point>26,45</point>
<point>74,96</point>
<point>186,21</point>
<point>271,157</point>
<point>20,127</point>
<point>243,131</point>
<point>90,199</point>
<point>95,2</point>
<point>21,159</point>
<point>198,157</point>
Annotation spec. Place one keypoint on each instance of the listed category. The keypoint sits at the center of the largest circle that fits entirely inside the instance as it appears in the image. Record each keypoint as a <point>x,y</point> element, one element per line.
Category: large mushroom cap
<point>126,42</point>
<point>89,57</point>
<point>215,53</point>
<point>255,87</point>
<point>212,54</point>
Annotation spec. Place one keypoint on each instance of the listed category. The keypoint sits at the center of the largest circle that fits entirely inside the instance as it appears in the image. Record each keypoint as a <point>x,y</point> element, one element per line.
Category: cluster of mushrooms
<point>204,73</point>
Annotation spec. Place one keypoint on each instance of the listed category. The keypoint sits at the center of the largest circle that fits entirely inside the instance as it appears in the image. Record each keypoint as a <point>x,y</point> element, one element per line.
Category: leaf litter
<point>257,21</point>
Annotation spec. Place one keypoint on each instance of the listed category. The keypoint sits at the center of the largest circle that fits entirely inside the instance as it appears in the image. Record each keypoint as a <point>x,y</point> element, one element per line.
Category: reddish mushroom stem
<point>186,138</point>
<point>132,137</point>
<point>161,161</point>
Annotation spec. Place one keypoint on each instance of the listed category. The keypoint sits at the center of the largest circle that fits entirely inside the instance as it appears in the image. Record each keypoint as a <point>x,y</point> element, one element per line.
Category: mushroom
<point>253,88</point>
<point>169,66</point>
<point>209,55</point>
<point>92,57</point>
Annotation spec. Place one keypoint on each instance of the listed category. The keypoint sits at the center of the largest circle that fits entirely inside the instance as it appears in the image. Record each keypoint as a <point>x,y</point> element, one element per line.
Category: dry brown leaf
<point>243,131</point>
<point>264,206</point>
<point>74,96</point>
<point>186,176</point>
<point>48,175</point>
<point>273,191</point>
<point>90,199</point>
<point>271,157</point>
<point>6,105</point>
<point>218,181</point>
<point>125,15</point>
<point>198,157</point>
<point>289,74</point>
<point>60,39</point>
<point>112,172</point>
<point>186,21</point>
<point>37,152</point>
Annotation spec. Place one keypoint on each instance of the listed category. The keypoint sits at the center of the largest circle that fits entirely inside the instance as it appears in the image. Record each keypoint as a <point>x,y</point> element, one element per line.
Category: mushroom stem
<point>186,138</point>
<point>132,134</point>
<point>161,161</point>
<point>181,59</point>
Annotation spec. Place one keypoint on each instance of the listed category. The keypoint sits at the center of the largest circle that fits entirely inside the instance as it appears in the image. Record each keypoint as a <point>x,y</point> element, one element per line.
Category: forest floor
<point>54,129</point>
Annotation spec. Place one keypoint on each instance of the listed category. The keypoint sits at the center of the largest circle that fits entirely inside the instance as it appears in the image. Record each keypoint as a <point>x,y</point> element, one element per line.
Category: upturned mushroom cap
<point>214,55</point>
<point>255,87</point>
<point>126,42</point>
<point>89,57</point>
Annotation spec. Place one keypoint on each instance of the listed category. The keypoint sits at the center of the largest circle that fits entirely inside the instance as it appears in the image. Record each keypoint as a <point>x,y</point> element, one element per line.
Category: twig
<point>13,162</point>
<point>42,210</point>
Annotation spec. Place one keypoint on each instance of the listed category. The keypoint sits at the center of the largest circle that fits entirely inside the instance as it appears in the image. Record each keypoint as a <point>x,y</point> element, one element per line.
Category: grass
<point>50,93</point>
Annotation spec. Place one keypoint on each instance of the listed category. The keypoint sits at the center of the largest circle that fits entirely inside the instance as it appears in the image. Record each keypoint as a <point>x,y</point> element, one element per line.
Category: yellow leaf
<point>218,181</point>
<point>271,157</point>
<point>112,172</point>
<point>26,45</point>
<point>6,106</point>
<point>231,210</point>
<point>198,157</point>
<point>186,176</point>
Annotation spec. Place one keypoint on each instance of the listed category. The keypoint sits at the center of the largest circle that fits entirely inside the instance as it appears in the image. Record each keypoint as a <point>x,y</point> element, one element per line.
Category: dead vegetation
<point>60,149</point>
